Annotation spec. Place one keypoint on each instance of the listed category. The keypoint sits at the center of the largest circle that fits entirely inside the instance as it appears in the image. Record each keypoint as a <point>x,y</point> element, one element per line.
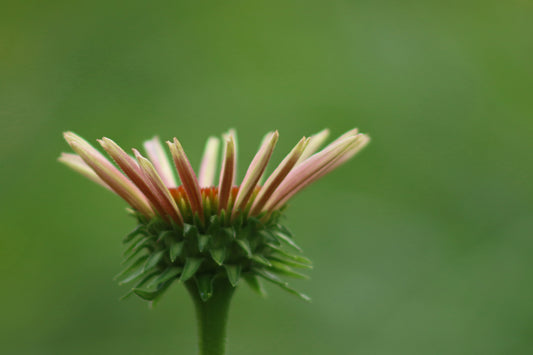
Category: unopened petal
<point>233,134</point>
<point>159,159</point>
<point>254,172</point>
<point>109,174</point>
<point>227,173</point>
<point>360,143</point>
<point>206,175</point>
<point>315,142</point>
<point>278,175</point>
<point>187,176</point>
<point>159,187</point>
<point>75,162</point>
<point>131,168</point>
<point>299,176</point>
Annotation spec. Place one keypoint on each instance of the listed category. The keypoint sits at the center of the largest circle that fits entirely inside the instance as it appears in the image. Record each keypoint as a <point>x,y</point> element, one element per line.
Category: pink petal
<point>158,186</point>
<point>227,174</point>
<point>206,176</point>
<point>159,159</point>
<point>359,141</point>
<point>233,134</point>
<point>110,174</point>
<point>278,175</point>
<point>304,172</point>
<point>253,174</point>
<point>187,176</point>
<point>131,168</point>
<point>315,142</point>
<point>359,144</point>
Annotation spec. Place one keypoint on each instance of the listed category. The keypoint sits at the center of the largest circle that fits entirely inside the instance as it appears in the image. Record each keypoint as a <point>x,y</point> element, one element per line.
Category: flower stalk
<point>212,316</point>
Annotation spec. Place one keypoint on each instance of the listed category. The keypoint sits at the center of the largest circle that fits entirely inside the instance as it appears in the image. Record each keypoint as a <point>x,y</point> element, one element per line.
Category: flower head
<point>198,231</point>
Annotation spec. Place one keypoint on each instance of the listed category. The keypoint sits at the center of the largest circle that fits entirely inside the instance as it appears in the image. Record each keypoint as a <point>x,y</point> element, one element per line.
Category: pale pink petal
<point>75,162</point>
<point>131,168</point>
<point>157,184</point>
<point>350,133</point>
<point>265,138</point>
<point>358,142</point>
<point>306,170</point>
<point>278,175</point>
<point>253,174</point>
<point>110,174</point>
<point>227,174</point>
<point>315,142</point>
<point>159,159</point>
<point>187,176</point>
<point>206,176</point>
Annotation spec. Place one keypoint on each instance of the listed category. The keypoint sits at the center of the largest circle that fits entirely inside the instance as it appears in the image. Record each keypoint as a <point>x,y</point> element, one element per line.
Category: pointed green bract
<point>289,262</point>
<point>132,267</point>
<point>287,240</point>
<point>190,231</point>
<point>234,273</point>
<point>152,295</point>
<point>170,273</point>
<point>205,286</point>
<point>218,255</point>
<point>175,250</point>
<point>255,284</point>
<point>284,269</point>
<point>261,260</point>
<point>141,283</point>
<point>136,246</point>
<point>298,258</point>
<point>203,240</point>
<point>134,233</point>
<point>245,245</point>
<point>284,285</point>
<point>154,259</point>
<point>138,273</point>
<point>167,234</point>
<point>191,266</point>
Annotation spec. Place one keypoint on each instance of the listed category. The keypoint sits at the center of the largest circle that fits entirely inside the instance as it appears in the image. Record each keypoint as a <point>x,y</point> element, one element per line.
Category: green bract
<point>159,253</point>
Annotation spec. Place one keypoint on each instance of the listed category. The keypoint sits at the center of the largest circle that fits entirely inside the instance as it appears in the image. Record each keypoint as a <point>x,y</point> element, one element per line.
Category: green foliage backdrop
<point>423,244</point>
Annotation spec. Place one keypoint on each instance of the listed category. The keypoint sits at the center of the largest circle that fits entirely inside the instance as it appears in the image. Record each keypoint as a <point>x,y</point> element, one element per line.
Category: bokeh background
<point>423,244</point>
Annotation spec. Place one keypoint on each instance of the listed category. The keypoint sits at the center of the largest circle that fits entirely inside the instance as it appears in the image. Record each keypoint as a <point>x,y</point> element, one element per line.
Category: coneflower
<point>204,233</point>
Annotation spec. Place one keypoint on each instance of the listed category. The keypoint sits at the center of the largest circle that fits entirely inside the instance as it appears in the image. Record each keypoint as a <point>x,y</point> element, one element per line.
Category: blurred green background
<point>422,244</point>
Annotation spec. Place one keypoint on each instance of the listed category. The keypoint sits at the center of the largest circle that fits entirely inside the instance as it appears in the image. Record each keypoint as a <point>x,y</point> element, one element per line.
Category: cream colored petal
<point>157,185</point>
<point>315,142</point>
<point>75,162</point>
<point>360,143</point>
<point>131,168</point>
<point>278,175</point>
<point>253,174</point>
<point>356,144</point>
<point>159,159</point>
<point>206,175</point>
<point>110,174</point>
<point>306,170</point>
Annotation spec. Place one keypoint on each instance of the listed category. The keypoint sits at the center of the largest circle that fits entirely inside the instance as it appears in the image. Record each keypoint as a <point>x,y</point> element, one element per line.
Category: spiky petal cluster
<point>199,231</point>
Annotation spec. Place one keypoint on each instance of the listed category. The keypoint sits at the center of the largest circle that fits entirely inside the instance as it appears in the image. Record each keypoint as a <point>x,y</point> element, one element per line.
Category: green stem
<point>212,316</point>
